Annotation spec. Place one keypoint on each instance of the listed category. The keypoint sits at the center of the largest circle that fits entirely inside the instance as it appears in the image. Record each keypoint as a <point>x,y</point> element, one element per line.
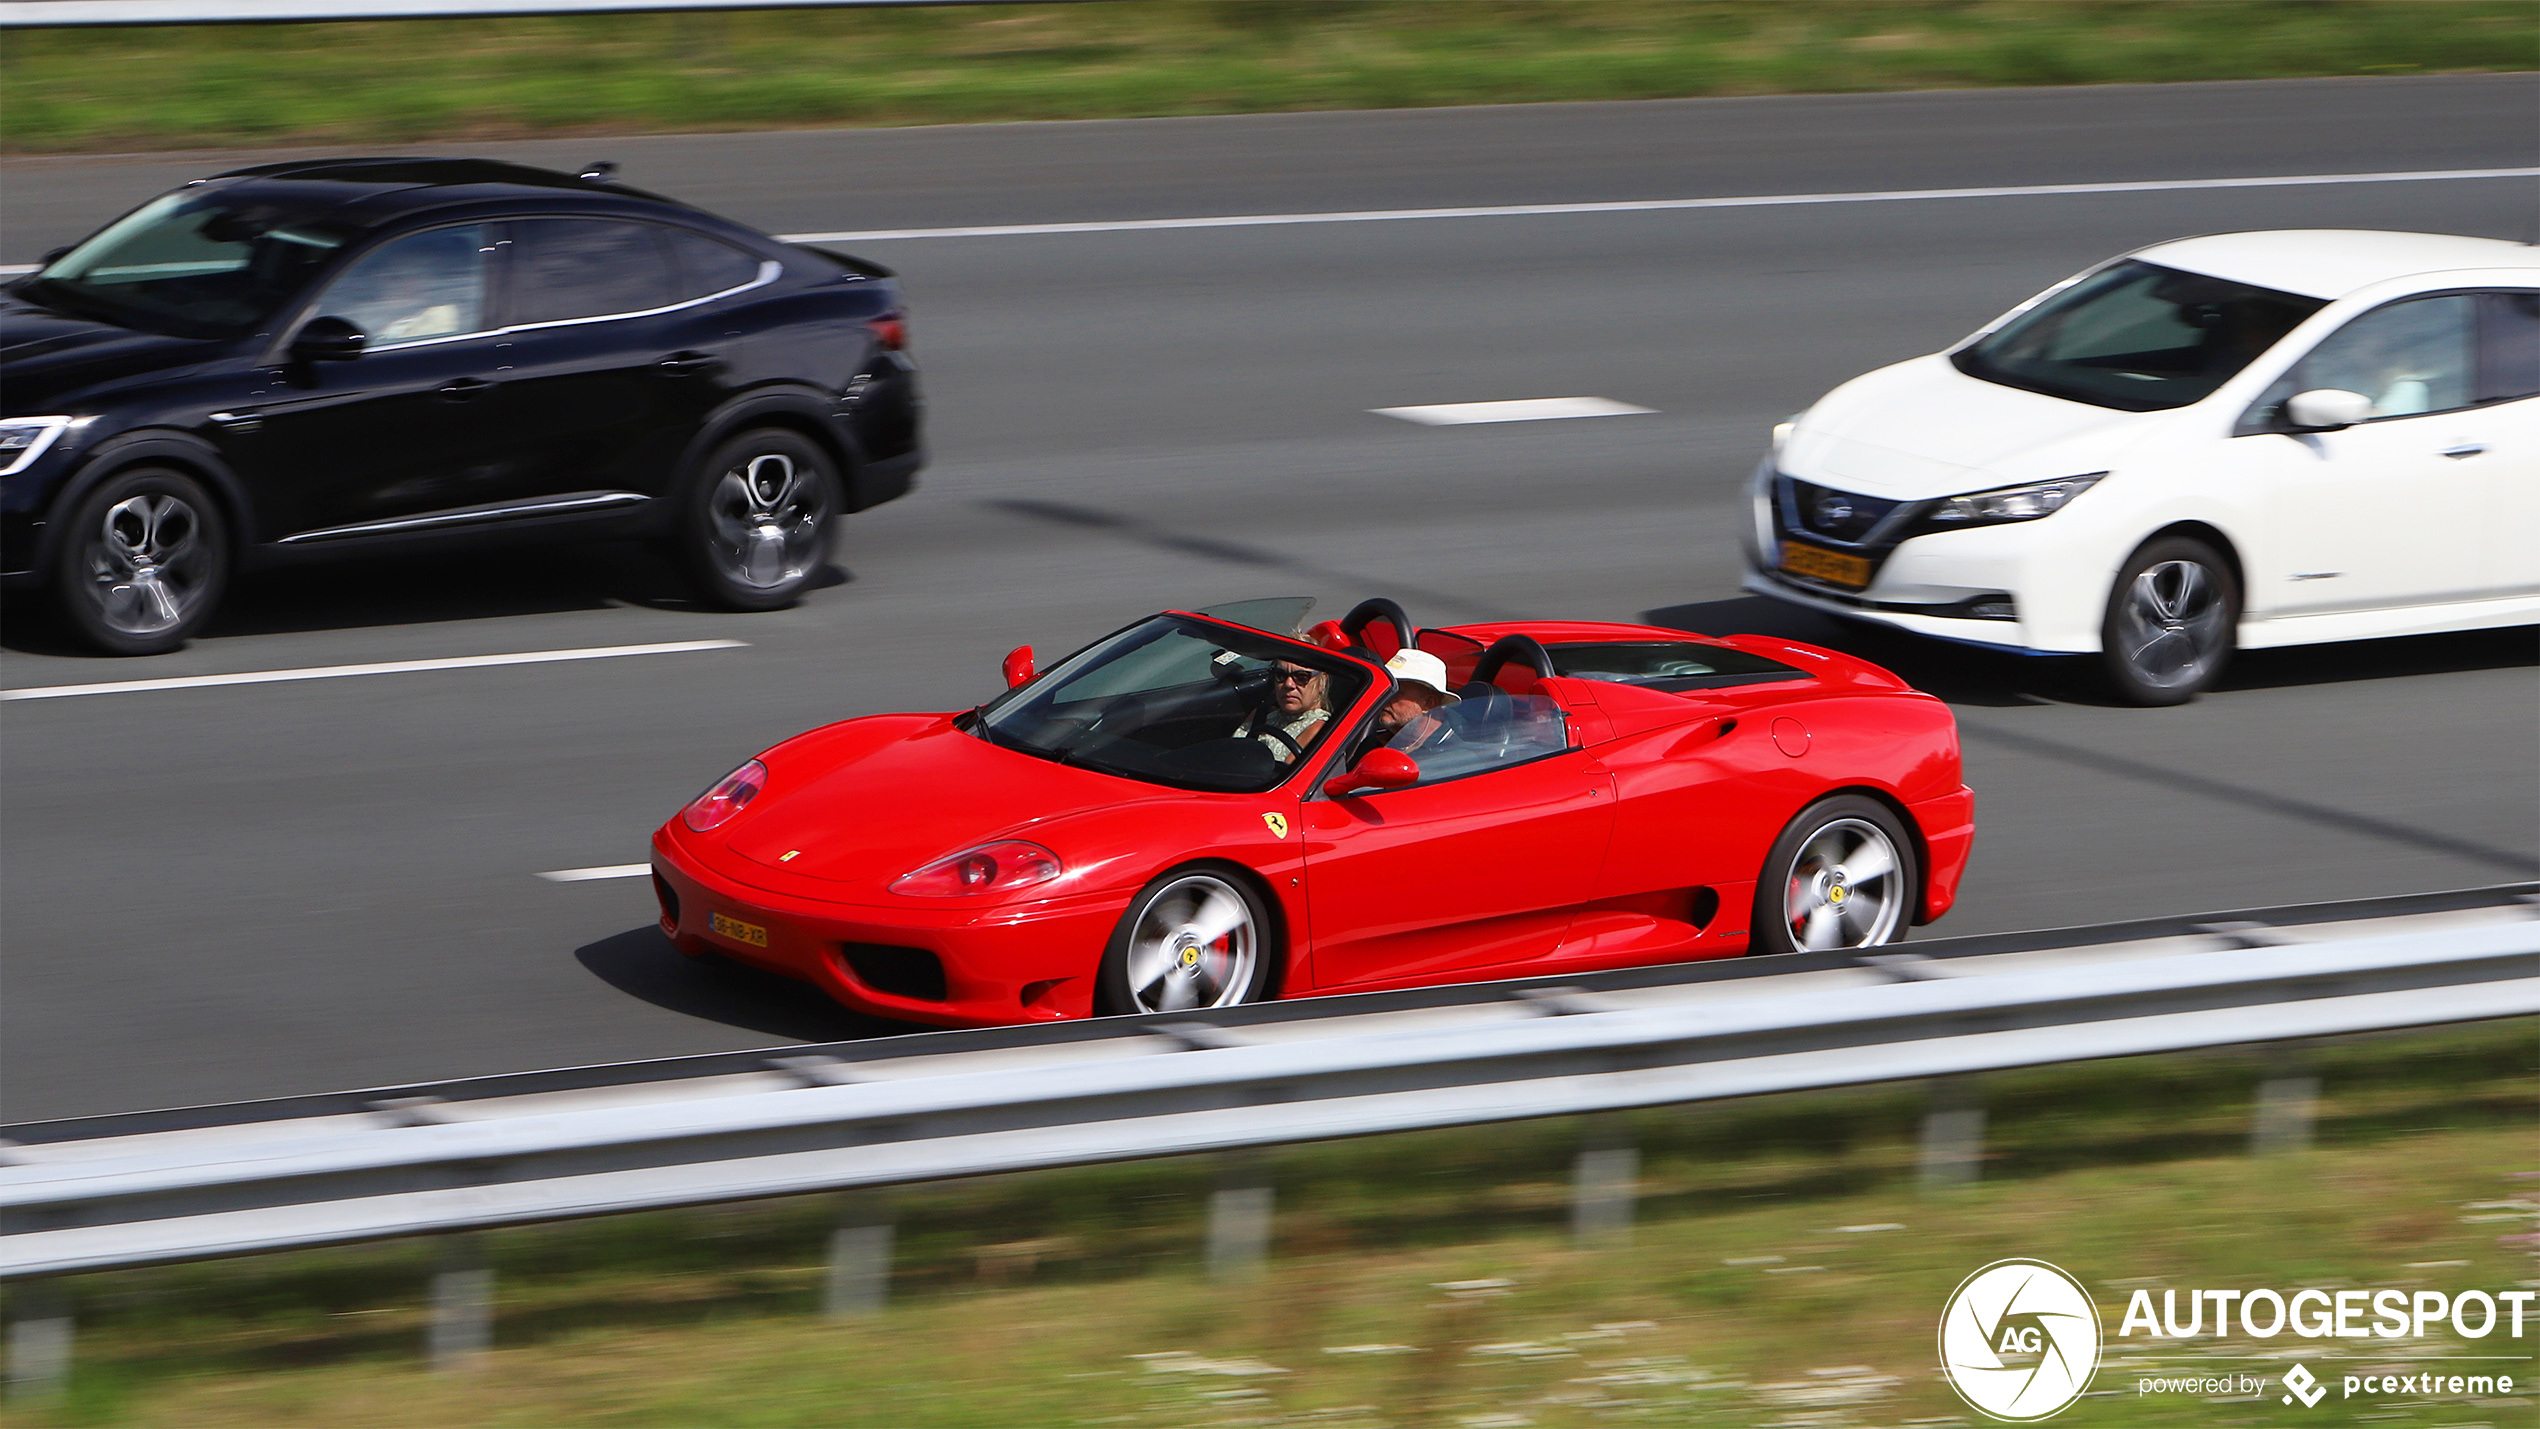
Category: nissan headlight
<point>23,439</point>
<point>2028,502</point>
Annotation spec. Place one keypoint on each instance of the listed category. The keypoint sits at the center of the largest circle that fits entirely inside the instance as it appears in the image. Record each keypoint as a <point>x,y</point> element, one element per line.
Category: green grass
<point>1029,1300</point>
<point>382,83</point>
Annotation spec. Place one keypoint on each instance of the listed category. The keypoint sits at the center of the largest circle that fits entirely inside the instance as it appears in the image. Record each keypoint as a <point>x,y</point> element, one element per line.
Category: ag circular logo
<point>2019,1340</point>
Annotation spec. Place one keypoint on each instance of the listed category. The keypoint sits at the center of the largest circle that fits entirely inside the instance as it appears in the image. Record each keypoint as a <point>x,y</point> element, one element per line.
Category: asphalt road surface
<point>249,890</point>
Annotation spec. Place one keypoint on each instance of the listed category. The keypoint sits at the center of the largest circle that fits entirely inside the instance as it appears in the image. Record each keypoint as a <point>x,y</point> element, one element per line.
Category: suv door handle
<point>466,389</point>
<point>689,363</point>
<point>2465,449</point>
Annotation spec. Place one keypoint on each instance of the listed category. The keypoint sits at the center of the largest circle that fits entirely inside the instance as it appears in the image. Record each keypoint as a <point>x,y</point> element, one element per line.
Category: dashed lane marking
<point>586,875</point>
<point>1530,409</point>
<point>391,667</point>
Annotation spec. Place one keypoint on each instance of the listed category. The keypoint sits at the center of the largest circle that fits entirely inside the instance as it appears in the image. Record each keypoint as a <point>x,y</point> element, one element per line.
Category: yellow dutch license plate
<point>737,931</point>
<point>1852,572</point>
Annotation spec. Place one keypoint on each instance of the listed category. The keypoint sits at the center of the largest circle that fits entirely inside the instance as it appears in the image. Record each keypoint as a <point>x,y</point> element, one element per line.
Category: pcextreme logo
<point>2019,1340</point>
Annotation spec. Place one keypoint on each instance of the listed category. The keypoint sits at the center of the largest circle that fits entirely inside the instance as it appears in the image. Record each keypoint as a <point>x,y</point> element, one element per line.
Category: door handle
<point>689,363</point>
<point>466,389</point>
<point>2465,449</point>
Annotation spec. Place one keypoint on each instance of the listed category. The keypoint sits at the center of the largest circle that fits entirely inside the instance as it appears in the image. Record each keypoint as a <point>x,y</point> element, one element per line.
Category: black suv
<point>322,357</point>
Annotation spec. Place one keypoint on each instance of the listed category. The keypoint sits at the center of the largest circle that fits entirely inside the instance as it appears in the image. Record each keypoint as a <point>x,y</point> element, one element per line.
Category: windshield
<point>191,263</point>
<point>1180,702</point>
<point>2136,337</point>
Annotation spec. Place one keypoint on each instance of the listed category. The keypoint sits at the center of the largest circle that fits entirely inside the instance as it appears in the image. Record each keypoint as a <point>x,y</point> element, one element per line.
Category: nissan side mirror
<point>1380,769</point>
<point>1018,666</point>
<point>328,340</point>
<point>56,256</point>
<point>2326,409</point>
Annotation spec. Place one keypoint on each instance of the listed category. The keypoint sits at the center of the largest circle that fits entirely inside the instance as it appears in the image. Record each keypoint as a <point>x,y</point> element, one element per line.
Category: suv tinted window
<point>424,285</point>
<point>708,266</point>
<point>566,268</point>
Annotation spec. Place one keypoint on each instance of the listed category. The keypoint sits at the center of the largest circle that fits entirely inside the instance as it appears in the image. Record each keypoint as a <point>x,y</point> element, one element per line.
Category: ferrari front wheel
<point>1842,875</point>
<point>1195,938</point>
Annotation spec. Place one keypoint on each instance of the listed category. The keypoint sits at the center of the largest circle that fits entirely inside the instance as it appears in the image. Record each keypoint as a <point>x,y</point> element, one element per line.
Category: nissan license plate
<point>1850,572</point>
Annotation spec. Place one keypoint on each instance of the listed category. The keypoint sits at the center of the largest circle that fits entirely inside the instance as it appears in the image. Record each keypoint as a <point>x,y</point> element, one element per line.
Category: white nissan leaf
<point>2238,441</point>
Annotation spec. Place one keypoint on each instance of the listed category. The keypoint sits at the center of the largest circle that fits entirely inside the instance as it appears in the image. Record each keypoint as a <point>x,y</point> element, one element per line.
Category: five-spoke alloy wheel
<point>142,563</point>
<point>760,518</point>
<point>1194,938</point>
<point>2172,621</point>
<point>1842,875</point>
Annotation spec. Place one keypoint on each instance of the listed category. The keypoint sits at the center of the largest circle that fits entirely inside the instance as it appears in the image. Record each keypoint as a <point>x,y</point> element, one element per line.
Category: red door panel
<point>1468,873</point>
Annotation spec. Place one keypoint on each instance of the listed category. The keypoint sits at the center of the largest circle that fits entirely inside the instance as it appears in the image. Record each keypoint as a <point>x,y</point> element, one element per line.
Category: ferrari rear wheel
<point>1841,876</point>
<point>1195,938</point>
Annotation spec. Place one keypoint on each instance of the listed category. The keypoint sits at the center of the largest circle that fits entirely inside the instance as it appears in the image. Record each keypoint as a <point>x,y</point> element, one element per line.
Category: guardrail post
<point>859,1256</point>
<point>1603,1183</point>
<point>1239,1218</point>
<point>39,1340</point>
<point>1953,1133</point>
<point>2288,1103</point>
<point>462,1326</point>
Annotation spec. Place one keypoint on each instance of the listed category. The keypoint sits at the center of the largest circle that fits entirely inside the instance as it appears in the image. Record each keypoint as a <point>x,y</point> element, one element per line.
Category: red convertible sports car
<point>1206,809</point>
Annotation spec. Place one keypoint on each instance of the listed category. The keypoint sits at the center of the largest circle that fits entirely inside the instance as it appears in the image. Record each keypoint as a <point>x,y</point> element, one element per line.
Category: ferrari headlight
<point>723,802</point>
<point>1000,867</point>
<point>23,439</point>
<point>2030,502</point>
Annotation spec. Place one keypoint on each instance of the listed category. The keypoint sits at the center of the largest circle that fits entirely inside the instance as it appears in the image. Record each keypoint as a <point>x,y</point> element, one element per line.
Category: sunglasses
<point>1285,675</point>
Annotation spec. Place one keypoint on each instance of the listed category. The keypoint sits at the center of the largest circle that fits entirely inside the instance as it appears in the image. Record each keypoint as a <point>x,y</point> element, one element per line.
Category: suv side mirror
<point>1380,769</point>
<point>2326,409</point>
<point>328,340</point>
<point>56,256</point>
<point>1018,666</point>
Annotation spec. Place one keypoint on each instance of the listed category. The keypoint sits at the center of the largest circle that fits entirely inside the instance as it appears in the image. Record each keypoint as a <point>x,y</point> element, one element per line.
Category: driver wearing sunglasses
<point>1297,707</point>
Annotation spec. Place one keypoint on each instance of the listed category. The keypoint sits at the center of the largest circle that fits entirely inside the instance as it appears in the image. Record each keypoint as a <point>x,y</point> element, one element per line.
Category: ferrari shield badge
<point>1278,825</point>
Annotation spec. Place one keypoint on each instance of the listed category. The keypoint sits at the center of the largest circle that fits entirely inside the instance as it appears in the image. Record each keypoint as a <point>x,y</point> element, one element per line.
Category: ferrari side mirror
<point>1018,666</point>
<point>1380,769</point>
<point>2326,409</point>
<point>1329,635</point>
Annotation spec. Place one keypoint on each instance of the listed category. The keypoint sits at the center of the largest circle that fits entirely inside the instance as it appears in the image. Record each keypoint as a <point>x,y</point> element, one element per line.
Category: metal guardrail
<point>1154,1087</point>
<point>57,14</point>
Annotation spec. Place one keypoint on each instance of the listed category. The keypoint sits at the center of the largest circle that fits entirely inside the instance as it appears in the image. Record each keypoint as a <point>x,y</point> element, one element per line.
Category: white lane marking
<point>1654,205</point>
<point>585,875</point>
<point>392,667</point>
<point>1530,409</point>
<point>1660,205</point>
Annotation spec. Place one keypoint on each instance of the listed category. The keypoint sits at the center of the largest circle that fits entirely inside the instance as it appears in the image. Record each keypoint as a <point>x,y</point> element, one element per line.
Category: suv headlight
<point>2028,502</point>
<point>23,439</point>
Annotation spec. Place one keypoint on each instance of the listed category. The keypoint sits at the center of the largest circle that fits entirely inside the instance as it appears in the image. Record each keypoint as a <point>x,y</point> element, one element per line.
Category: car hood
<point>871,799</point>
<point>1923,428</point>
<point>46,357</point>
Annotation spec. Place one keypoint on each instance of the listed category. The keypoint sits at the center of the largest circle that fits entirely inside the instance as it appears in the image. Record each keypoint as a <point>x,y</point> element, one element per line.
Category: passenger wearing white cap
<point>1408,718</point>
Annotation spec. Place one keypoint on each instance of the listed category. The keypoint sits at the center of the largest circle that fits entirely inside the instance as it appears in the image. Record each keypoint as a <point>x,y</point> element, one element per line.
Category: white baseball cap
<point>1421,667</point>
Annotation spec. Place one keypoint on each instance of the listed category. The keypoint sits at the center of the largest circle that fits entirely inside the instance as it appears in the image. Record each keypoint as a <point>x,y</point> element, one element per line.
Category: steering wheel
<point>1367,612</point>
<point>1296,751</point>
<point>1520,649</point>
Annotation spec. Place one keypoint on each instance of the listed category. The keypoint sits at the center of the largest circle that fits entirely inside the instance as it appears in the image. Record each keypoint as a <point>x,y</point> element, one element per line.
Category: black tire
<point>1869,908</point>
<point>143,562</point>
<point>761,512</point>
<point>2172,623</point>
<point>1156,942</point>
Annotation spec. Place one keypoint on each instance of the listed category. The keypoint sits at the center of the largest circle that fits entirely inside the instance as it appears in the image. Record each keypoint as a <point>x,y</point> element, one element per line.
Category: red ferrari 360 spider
<point>1202,810</point>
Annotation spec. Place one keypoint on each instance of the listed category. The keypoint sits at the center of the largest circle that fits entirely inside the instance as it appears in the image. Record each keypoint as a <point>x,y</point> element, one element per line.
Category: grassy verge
<point>1784,1266</point>
<point>408,80</point>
